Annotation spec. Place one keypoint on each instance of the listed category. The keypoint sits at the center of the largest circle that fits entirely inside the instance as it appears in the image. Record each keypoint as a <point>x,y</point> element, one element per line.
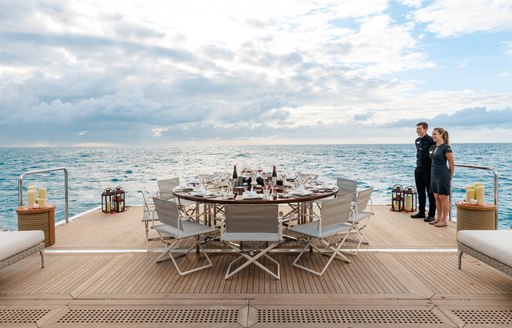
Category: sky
<point>197,72</point>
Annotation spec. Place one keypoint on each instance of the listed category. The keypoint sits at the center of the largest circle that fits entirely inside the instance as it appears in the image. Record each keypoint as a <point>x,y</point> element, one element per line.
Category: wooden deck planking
<point>373,280</point>
<point>474,278</point>
<point>137,274</point>
<point>387,229</point>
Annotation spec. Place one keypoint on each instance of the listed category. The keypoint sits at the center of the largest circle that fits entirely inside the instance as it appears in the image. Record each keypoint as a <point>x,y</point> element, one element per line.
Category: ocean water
<point>91,170</point>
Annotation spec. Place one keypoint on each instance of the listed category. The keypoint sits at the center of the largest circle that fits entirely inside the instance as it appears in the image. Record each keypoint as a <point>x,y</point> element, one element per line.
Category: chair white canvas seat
<point>165,191</point>
<point>173,225</point>
<point>360,217</point>
<point>165,187</point>
<point>258,227</point>
<point>311,229</point>
<point>190,229</point>
<point>346,187</point>
<point>332,223</point>
<point>244,236</point>
<point>149,215</point>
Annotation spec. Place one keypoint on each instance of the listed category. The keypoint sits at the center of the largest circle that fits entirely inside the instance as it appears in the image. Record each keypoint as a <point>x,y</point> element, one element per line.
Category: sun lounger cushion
<point>14,242</point>
<point>496,244</point>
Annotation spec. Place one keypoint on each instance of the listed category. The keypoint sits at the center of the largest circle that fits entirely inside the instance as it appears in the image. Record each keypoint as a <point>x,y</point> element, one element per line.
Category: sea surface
<point>91,170</point>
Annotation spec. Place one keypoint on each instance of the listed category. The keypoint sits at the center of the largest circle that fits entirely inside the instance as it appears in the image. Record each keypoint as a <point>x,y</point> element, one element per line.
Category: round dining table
<point>300,204</point>
<point>285,197</point>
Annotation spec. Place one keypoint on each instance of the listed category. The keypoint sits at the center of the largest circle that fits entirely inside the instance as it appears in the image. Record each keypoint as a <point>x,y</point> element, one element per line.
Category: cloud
<point>466,118</point>
<point>508,47</point>
<point>411,3</point>
<point>146,72</point>
<point>157,132</point>
<point>448,18</point>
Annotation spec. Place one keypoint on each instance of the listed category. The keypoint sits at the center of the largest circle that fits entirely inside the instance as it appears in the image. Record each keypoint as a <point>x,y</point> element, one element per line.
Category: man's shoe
<point>429,219</point>
<point>418,216</point>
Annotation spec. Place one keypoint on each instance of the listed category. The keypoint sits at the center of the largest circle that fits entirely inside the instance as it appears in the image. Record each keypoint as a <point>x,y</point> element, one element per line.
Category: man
<point>422,174</point>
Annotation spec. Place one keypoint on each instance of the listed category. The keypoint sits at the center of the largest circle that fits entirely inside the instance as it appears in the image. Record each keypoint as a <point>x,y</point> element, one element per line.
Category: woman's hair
<point>444,135</point>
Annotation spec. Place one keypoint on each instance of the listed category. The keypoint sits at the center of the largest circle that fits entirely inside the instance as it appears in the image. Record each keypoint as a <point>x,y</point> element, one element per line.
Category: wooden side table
<point>476,217</point>
<point>38,219</point>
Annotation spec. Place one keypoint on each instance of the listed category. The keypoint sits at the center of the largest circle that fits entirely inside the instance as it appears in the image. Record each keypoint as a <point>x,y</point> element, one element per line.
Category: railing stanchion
<point>66,186</point>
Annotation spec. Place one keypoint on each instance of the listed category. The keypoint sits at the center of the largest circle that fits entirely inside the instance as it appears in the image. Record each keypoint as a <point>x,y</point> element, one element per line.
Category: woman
<point>441,175</point>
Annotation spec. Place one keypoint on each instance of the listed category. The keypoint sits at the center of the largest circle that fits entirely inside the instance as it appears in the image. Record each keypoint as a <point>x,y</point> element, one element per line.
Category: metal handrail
<point>495,173</point>
<point>20,186</point>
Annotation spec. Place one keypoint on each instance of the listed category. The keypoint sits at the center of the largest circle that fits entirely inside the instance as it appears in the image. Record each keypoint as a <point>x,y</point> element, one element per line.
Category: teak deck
<point>102,273</point>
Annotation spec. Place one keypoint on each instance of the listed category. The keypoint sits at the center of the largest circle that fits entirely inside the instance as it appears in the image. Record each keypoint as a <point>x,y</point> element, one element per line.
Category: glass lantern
<point>106,200</point>
<point>119,199</point>
<point>397,198</point>
<point>410,199</point>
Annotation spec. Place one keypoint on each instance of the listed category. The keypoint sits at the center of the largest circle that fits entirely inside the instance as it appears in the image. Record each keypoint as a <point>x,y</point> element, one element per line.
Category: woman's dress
<point>440,174</point>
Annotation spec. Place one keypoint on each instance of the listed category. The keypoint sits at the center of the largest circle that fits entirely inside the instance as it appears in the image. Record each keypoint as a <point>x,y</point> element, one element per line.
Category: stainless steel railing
<point>495,173</point>
<point>66,185</point>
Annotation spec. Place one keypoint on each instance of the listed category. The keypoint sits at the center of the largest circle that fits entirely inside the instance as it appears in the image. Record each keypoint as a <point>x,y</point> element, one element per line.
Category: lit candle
<point>408,203</point>
<point>31,198</point>
<point>470,193</point>
<point>480,194</point>
<point>42,193</point>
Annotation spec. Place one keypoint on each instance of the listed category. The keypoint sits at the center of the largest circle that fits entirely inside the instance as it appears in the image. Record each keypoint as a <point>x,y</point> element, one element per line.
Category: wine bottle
<point>274,174</point>
<point>235,175</point>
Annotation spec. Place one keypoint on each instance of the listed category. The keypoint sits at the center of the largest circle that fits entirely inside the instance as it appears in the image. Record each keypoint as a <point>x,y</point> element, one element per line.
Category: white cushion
<point>14,242</point>
<point>493,243</point>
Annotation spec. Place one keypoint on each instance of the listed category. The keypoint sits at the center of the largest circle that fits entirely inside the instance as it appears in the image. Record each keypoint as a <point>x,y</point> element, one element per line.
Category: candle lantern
<point>397,198</point>
<point>106,200</point>
<point>118,199</point>
<point>410,199</point>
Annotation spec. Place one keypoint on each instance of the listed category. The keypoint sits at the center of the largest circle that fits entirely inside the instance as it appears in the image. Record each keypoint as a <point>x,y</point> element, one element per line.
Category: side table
<point>38,219</point>
<point>476,217</point>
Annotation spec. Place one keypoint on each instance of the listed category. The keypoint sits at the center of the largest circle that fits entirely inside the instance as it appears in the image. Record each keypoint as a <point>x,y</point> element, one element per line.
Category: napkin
<point>301,191</point>
<point>327,186</point>
<point>201,191</point>
<point>251,194</point>
<point>184,186</point>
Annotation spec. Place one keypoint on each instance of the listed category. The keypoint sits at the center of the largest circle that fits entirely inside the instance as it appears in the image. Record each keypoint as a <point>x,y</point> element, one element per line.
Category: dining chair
<point>256,226</point>
<point>165,187</point>
<point>149,215</point>
<point>332,223</point>
<point>346,187</point>
<point>173,225</point>
<point>360,217</point>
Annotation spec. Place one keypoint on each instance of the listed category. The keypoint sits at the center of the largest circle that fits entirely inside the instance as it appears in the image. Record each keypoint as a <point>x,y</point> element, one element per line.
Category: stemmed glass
<point>298,179</point>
